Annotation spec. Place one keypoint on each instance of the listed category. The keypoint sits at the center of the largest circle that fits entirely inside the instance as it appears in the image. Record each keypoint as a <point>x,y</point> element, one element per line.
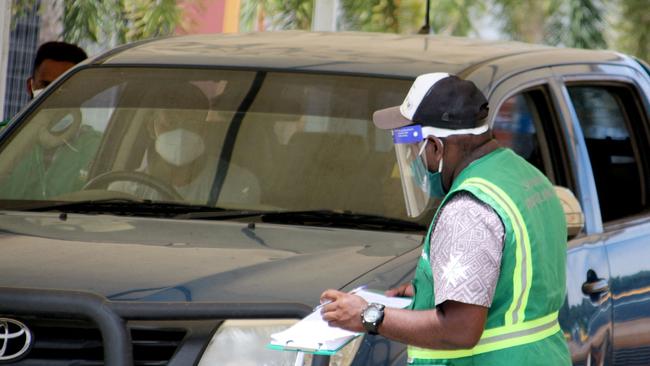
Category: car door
<point>529,117</point>
<point>610,107</point>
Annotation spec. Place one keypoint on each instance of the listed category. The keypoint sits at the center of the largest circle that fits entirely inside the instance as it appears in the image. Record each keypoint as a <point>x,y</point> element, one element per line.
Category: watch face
<point>371,314</point>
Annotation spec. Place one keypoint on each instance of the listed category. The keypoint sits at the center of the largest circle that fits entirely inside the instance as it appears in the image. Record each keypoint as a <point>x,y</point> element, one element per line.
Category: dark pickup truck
<point>116,251</point>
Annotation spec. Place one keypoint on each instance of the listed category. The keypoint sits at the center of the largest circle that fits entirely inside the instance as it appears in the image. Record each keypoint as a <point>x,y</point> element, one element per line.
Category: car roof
<point>380,54</point>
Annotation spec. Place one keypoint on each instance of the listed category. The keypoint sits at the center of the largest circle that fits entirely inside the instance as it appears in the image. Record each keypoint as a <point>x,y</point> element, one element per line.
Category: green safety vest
<point>31,179</point>
<point>521,326</point>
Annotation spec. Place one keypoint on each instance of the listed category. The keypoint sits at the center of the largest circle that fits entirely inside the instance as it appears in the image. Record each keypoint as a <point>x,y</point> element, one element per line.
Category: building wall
<point>210,16</point>
<point>23,40</point>
<point>5,28</point>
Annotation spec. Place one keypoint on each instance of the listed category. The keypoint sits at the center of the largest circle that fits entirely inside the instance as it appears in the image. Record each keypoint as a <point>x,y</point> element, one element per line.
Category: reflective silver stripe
<point>495,339</point>
<point>521,333</point>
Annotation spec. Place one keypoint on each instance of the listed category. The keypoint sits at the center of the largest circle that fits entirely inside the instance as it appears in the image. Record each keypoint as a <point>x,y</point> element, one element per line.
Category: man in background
<point>52,60</point>
<point>64,146</point>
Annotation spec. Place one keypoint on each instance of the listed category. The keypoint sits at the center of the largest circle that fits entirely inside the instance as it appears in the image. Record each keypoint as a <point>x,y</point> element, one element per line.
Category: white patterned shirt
<point>465,251</point>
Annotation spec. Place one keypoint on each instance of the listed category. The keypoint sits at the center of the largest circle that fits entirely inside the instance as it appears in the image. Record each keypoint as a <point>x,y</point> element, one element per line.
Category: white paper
<point>391,302</point>
<point>313,333</point>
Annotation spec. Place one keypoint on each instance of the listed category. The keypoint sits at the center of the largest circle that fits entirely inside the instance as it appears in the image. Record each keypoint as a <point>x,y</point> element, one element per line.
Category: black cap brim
<point>390,118</point>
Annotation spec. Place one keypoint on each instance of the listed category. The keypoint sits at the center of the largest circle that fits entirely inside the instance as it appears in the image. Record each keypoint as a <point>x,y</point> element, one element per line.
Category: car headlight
<point>243,343</point>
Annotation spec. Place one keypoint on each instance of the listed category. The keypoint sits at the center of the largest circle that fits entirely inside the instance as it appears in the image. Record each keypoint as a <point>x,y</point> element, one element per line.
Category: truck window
<point>525,123</point>
<point>614,132</point>
<point>514,127</point>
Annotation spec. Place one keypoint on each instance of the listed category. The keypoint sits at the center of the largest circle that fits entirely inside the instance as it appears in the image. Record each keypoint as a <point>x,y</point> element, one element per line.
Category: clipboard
<point>314,335</point>
<point>323,349</point>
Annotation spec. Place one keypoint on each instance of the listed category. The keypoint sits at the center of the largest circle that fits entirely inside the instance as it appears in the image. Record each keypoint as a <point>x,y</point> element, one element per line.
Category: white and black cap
<point>444,102</point>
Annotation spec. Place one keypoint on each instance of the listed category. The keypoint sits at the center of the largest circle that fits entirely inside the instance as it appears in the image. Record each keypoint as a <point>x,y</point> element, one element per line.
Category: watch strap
<point>373,327</point>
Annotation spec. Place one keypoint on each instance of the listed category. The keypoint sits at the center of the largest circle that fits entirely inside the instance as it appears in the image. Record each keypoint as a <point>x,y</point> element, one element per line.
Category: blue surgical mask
<point>430,183</point>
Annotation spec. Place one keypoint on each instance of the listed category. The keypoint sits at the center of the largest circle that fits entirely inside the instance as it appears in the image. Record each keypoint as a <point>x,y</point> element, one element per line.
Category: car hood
<point>148,259</point>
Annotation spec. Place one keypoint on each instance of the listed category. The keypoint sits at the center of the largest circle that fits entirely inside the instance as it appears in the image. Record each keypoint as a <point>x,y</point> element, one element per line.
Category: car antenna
<point>426,28</point>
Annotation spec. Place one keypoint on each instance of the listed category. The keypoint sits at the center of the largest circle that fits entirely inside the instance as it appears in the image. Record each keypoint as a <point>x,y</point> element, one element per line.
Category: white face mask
<point>36,92</point>
<point>180,147</point>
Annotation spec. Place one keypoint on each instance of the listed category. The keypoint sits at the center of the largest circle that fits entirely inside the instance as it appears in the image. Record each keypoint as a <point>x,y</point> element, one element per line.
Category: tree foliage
<point>572,23</point>
<point>580,24</point>
<point>122,20</point>
<point>371,15</point>
<point>455,17</point>
<point>526,20</point>
<point>112,21</point>
<point>634,28</point>
<point>396,16</point>
<point>276,14</point>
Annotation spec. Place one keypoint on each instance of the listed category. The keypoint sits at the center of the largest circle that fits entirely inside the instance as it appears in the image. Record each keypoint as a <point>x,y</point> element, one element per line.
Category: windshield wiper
<point>133,207</point>
<point>329,218</point>
<point>124,206</point>
<point>342,219</point>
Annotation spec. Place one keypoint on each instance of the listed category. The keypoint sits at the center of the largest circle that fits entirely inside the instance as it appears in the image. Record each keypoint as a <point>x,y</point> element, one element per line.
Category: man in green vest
<point>60,158</point>
<point>491,277</point>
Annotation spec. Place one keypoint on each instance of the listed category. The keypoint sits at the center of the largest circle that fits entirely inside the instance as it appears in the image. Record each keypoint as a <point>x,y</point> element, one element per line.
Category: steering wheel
<point>163,188</point>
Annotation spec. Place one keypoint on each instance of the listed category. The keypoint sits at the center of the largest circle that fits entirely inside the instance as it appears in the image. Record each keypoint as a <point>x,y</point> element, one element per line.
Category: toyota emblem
<point>15,339</point>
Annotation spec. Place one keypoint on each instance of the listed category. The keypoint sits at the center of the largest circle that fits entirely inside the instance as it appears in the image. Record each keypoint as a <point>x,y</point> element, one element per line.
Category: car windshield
<point>233,139</point>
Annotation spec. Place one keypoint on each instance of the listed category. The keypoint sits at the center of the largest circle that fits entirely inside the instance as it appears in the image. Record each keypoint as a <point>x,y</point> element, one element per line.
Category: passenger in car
<point>64,144</point>
<point>57,162</point>
<point>491,277</point>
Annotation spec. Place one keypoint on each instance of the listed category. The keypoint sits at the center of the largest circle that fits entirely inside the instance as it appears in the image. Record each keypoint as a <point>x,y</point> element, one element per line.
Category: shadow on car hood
<point>174,260</point>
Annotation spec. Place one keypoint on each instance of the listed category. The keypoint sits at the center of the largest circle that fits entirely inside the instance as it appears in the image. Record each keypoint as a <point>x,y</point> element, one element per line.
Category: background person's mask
<point>179,147</point>
<point>36,92</point>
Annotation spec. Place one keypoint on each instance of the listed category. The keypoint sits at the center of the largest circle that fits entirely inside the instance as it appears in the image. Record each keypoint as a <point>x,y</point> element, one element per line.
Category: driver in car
<point>183,157</point>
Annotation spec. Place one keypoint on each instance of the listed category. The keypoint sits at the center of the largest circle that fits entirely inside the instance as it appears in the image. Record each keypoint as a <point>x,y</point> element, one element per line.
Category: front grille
<point>632,356</point>
<point>163,333</point>
<point>78,343</point>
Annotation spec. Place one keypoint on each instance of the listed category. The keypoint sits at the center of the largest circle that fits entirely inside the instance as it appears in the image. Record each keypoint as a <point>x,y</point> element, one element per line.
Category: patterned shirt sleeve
<point>465,252</point>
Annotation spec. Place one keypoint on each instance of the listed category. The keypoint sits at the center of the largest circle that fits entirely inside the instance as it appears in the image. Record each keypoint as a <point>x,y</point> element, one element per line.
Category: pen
<point>354,290</point>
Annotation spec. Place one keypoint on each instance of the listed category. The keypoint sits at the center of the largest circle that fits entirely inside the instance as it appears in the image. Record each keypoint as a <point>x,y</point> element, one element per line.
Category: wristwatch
<point>371,317</point>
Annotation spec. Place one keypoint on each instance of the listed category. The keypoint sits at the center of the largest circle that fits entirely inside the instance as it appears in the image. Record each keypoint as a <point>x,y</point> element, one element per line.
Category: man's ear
<point>437,146</point>
<point>28,84</point>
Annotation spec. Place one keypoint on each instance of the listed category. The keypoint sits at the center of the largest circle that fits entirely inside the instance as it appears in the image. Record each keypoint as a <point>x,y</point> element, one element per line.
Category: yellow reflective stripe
<point>497,338</point>
<point>523,274</point>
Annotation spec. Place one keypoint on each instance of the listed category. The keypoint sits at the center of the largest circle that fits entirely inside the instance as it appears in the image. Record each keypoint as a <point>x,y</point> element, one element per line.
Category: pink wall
<point>202,16</point>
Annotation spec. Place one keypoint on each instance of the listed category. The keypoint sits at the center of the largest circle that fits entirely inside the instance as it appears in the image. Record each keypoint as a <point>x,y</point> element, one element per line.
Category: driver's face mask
<point>180,146</point>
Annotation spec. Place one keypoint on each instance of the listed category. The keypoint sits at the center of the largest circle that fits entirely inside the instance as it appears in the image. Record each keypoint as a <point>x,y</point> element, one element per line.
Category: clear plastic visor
<point>412,164</point>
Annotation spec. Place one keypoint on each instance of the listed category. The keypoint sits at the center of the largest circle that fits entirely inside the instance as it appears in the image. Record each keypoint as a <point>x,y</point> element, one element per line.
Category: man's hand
<point>404,290</point>
<point>344,311</point>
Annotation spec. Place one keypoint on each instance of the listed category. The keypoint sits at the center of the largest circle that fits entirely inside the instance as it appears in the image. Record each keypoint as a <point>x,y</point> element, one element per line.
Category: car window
<point>97,110</point>
<point>514,127</point>
<point>526,122</point>
<point>228,138</point>
<point>316,147</point>
<point>614,134</point>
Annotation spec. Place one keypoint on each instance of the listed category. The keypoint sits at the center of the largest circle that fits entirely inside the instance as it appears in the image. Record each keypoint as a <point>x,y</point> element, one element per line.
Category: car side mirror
<point>575,219</point>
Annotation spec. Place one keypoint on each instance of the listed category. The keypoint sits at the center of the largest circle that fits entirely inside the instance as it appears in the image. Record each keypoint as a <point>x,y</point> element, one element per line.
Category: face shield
<point>410,142</point>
